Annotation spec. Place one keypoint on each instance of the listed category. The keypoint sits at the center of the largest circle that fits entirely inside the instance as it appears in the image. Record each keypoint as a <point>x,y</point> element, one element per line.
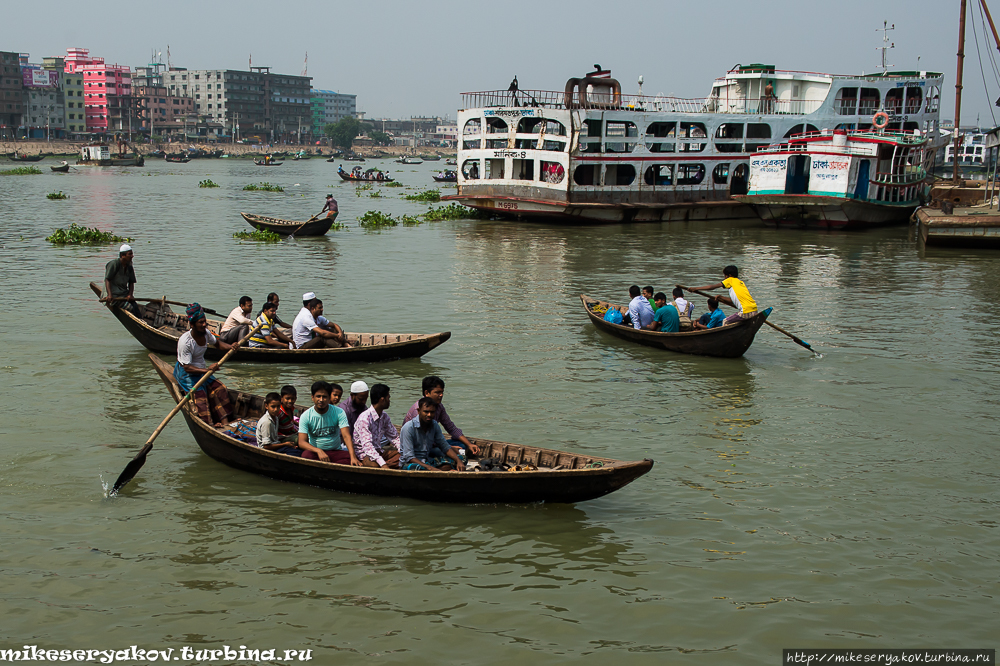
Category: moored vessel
<point>99,154</point>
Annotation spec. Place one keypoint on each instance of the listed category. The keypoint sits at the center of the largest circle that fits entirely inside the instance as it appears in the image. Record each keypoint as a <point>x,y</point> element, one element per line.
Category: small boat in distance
<point>267,162</point>
<point>179,158</point>
<point>63,168</point>
<point>24,157</point>
<point>729,341</point>
<point>158,328</point>
<point>316,227</point>
<point>410,160</point>
<point>99,154</point>
<point>534,474</point>
<point>369,176</point>
<point>451,161</point>
<point>839,179</point>
<point>446,176</point>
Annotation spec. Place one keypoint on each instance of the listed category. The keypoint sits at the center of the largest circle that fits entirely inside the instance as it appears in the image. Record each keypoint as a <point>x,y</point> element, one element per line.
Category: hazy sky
<point>414,58</point>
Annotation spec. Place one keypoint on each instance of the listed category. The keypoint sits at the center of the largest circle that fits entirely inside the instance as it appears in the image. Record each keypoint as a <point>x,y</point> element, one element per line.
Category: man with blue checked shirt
<point>419,435</point>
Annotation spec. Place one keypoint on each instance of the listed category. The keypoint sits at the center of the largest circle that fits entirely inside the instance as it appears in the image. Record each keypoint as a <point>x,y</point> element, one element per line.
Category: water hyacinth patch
<point>374,219</point>
<point>258,235</point>
<point>430,196</point>
<point>393,183</point>
<point>208,183</point>
<point>57,195</point>
<point>22,171</point>
<point>263,187</point>
<point>77,235</point>
<point>453,212</point>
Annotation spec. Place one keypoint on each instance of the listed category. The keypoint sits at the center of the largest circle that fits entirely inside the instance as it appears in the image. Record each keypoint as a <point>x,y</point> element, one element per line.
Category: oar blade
<point>132,468</point>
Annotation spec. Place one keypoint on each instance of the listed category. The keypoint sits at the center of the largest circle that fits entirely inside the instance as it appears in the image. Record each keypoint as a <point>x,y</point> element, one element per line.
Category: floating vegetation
<point>410,221</point>
<point>374,219</point>
<point>77,235</point>
<point>362,188</point>
<point>258,235</point>
<point>394,183</point>
<point>375,194</point>
<point>337,226</point>
<point>453,212</point>
<point>57,195</point>
<point>430,196</point>
<point>209,183</point>
<point>263,187</point>
<point>22,171</point>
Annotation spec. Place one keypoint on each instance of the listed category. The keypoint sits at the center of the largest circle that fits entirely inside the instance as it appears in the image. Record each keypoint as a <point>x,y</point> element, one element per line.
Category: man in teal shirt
<point>665,319</point>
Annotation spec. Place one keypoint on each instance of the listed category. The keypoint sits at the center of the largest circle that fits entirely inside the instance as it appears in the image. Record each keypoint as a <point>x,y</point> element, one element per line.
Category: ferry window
<point>693,131</point>
<point>846,103</point>
<point>690,174</point>
<point>594,147</point>
<point>659,174</point>
<point>729,131</point>
<point>495,126</point>
<point>470,169</point>
<point>662,131</point>
<point>847,126</point>
<point>933,97</point>
<point>473,126</point>
<point>758,131</point>
<point>894,101</point>
<point>620,129</point>
<point>586,174</point>
<point>591,128</point>
<point>801,129</point>
<point>619,174</point>
<point>914,100</point>
<point>720,174</point>
<point>554,145</point>
<point>496,144</point>
<point>871,99</point>
<point>472,145</point>
<point>911,126</point>
<point>494,169</point>
<point>525,144</point>
<point>555,127</point>
<point>523,169</point>
<point>529,125</point>
<point>552,172</point>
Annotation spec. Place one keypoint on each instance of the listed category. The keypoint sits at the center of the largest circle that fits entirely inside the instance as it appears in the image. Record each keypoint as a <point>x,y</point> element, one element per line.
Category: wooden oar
<point>134,465</point>
<point>303,224</point>
<point>797,340</point>
<point>159,300</point>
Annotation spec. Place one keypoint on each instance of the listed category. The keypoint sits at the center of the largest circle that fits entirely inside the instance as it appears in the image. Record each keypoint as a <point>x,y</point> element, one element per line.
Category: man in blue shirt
<point>419,435</point>
<point>666,319</point>
<point>639,310</point>
<point>711,319</point>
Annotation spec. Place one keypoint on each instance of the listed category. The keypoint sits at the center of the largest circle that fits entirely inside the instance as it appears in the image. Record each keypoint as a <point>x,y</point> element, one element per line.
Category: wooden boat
<point>179,158</point>
<point>410,160</point>
<point>430,158</point>
<point>317,227</point>
<point>451,161</point>
<point>156,154</point>
<point>62,168</point>
<point>14,157</point>
<point>353,158</point>
<point>561,476</point>
<point>100,155</point>
<point>158,328</point>
<point>263,163</point>
<point>730,341</point>
<point>364,178</point>
<point>447,176</point>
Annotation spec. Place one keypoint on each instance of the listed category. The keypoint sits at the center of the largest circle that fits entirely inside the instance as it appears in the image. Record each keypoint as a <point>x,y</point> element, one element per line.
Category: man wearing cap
<point>330,207</point>
<point>119,280</point>
<point>311,329</point>
<point>354,404</point>
<point>211,400</point>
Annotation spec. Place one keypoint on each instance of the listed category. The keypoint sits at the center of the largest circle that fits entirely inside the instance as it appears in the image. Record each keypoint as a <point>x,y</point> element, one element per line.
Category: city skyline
<point>419,61</point>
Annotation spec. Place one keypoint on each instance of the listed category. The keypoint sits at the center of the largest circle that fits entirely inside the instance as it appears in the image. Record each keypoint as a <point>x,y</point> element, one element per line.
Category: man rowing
<point>212,399</point>
<point>739,295</point>
<point>330,207</point>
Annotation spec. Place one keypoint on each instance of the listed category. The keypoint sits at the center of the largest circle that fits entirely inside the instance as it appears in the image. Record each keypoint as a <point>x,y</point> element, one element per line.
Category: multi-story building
<point>44,106</point>
<point>108,105</point>
<point>288,106</point>
<point>160,113</point>
<point>330,107</point>
<point>234,98</point>
<point>11,94</point>
<point>71,86</point>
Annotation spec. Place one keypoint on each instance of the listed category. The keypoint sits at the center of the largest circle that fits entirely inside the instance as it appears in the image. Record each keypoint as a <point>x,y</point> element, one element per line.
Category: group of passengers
<point>309,330</point>
<point>652,312</point>
<point>350,432</point>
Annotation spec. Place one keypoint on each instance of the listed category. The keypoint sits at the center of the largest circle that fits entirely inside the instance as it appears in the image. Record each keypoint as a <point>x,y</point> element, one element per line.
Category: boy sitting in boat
<point>372,428</point>
<point>287,423</point>
<point>323,433</point>
<point>237,323</point>
<point>267,428</point>
<point>647,293</point>
<point>269,335</point>
<point>419,436</point>
<point>739,295</point>
<point>665,319</point>
<point>211,400</point>
<point>711,319</point>
<point>433,388</point>
<point>682,304</point>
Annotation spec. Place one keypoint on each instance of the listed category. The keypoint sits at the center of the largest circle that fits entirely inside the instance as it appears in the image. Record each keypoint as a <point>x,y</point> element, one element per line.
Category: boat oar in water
<point>134,465</point>
<point>291,236</point>
<point>798,341</point>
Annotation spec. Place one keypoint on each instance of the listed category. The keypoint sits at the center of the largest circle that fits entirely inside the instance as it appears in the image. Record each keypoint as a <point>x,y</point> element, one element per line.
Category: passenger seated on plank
<point>269,335</point>
<point>288,424</point>
<point>273,298</point>
<point>666,319</point>
<point>433,388</point>
<point>640,312</point>
<point>647,293</point>
<point>711,319</point>
<point>355,404</point>
<point>323,433</point>
<point>374,427</point>
<point>309,333</point>
<point>267,429</point>
<point>238,323</point>
<point>211,400</point>
<point>683,305</point>
<point>422,434</point>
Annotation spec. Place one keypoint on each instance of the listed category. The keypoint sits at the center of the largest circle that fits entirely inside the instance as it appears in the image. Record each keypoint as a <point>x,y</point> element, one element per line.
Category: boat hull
<point>369,347</point>
<point>349,177</point>
<point>731,341</point>
<point>827,212</point>
<point>596,213</point>
<point>575,484</point>
<point>288,227</point>
<point>969,231</point>
<point>115,162</point>
<point>60,169</point>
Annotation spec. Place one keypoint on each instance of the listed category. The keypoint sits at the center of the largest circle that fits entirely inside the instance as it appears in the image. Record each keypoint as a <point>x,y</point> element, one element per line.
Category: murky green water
<point>847,501</point>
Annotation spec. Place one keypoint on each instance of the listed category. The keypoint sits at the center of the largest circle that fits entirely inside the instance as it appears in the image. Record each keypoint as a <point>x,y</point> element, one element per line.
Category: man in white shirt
<point>309,331</point>
<point>639,309</point>
<point>238,323</point>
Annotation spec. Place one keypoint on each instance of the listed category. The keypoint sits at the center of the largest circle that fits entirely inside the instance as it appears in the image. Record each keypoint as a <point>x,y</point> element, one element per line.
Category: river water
<point>843,501</point>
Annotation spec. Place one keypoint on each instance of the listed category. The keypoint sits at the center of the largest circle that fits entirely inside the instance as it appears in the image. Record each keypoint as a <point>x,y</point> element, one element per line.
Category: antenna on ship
<point>885,30</point>
<point>640,85</point>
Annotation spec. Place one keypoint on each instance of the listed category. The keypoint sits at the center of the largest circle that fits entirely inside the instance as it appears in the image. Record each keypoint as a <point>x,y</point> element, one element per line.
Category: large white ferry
<point>592,153</point>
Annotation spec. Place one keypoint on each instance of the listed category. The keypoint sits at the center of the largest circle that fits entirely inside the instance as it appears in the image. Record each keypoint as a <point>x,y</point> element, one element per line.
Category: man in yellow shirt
<point>739,295</point>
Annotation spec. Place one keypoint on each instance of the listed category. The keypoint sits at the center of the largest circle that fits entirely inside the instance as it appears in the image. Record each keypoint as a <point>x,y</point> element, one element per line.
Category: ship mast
<point>958,93</point>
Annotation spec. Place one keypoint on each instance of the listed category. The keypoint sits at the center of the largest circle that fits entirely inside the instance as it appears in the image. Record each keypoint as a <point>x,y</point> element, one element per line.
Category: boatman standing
<point>330,207</point>
<point>119,280</point>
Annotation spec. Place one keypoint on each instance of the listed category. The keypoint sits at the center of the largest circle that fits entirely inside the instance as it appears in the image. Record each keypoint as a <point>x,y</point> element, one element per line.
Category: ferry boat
<point>839,179</point>
<point>100,155</point>
<point>591,153</point>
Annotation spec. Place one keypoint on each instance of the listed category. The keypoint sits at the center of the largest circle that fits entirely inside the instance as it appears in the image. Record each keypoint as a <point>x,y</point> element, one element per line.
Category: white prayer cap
<point>125,248</point>
<point>308,296</point>
<point>359,387</point>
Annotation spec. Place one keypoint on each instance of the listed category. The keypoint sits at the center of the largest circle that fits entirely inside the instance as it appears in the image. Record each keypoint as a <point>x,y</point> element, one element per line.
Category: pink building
<point>107,91</point>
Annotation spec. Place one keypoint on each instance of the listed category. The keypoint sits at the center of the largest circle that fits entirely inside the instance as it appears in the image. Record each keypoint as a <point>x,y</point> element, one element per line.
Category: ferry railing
<point>552,99</point>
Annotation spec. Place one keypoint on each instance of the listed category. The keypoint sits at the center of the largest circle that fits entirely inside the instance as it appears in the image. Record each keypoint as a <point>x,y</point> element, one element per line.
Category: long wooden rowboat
<point>289,227</point>
<point>560,477</point>
<point>159,328</point>
<point>348,177</point>
<point>263,163</point>
<point>730,341</point>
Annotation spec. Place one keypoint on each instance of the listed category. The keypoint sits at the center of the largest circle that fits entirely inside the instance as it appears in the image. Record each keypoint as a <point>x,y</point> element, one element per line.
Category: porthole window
<point>586,174</point>
<point>720,174</point>
<point>472,126</point>
<point>496,126</point>
<point>619,174</point>
<point>659,174</point>
<point>690,174</point>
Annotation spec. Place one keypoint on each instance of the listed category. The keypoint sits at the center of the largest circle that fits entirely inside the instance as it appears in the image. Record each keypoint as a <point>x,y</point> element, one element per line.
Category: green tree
<point>381,138</point>
<point>343,132</point>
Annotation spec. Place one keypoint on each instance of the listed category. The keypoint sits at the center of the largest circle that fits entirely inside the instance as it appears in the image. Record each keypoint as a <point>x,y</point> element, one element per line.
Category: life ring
<point>885,120</point>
